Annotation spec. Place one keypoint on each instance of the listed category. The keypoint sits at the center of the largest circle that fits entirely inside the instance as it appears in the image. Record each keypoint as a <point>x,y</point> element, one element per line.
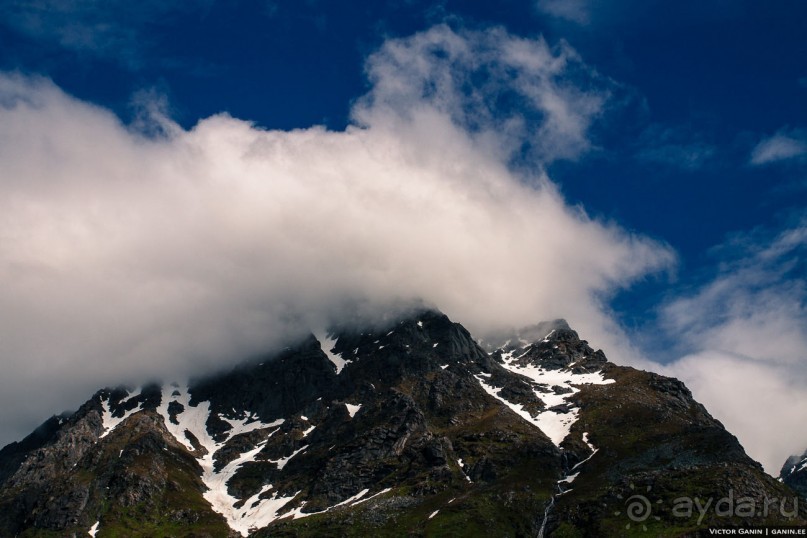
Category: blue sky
<point>669,140</point>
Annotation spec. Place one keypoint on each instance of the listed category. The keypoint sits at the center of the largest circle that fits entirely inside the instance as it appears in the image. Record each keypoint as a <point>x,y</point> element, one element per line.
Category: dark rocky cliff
<point>794,474</point>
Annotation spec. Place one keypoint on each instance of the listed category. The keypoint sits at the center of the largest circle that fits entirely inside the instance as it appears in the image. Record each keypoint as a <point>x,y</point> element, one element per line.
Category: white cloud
<point>519,93</point>
<point>125,257</point>
<point>745,338</point>
<point>782,146</point>
<point>763,404</point>
<point>572,10</point>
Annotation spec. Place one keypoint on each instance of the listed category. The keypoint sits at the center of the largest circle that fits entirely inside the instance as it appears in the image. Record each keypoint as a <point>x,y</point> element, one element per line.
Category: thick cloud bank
<point>125,256</point>
<point>743,339</point>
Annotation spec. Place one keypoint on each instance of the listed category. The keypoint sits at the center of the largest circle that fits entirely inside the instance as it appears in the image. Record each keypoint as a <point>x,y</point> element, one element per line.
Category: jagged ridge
<point>411,429</point>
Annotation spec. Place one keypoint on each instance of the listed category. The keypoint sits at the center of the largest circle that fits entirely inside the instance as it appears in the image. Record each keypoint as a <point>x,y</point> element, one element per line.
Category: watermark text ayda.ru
<point>728,506</point>
<point>731,506</point>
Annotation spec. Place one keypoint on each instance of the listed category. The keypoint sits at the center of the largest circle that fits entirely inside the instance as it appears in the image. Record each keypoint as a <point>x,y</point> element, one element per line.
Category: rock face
<point>794,474</point>
<point>410,430</point>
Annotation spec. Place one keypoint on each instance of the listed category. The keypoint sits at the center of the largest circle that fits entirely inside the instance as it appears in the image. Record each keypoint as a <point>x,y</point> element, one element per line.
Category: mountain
<point>794,474</point>
<point>415,429</point>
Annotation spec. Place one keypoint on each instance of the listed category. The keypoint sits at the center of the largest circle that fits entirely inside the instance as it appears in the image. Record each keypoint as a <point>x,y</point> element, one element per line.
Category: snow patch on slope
<point>328,343</point>
<point>516,408</point>
<point>262,508</point>
<point>351,500</point>
<point>571,475</point>
<point>591,447</point>
<point>352,409</point>
<point>556,420</point>
<point>256,512</point>
<point>462,470</point>
<point>110,422</point>
<point>283,461</point>
<point>373,496</point>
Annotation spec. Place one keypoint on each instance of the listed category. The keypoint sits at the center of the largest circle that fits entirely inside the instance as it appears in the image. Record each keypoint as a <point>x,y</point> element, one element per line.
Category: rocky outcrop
<point>70,442</point>
<point>794,474</point>
<point>137,475</point>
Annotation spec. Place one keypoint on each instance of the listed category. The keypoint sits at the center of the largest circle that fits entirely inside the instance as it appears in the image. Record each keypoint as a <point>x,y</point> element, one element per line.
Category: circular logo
<point>638,507</point>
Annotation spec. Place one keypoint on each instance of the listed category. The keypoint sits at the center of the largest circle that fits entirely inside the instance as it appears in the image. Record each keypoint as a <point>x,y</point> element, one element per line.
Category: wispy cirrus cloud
<point>787,144</point>
<point>676,147</point>
<point>573,10</point>
<point>114,30</point>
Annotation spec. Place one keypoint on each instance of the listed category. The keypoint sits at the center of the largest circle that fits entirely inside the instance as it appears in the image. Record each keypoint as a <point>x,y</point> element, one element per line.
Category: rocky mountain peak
<point>416,344</point>
<point>794,474</point>
<point>413,428</point>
